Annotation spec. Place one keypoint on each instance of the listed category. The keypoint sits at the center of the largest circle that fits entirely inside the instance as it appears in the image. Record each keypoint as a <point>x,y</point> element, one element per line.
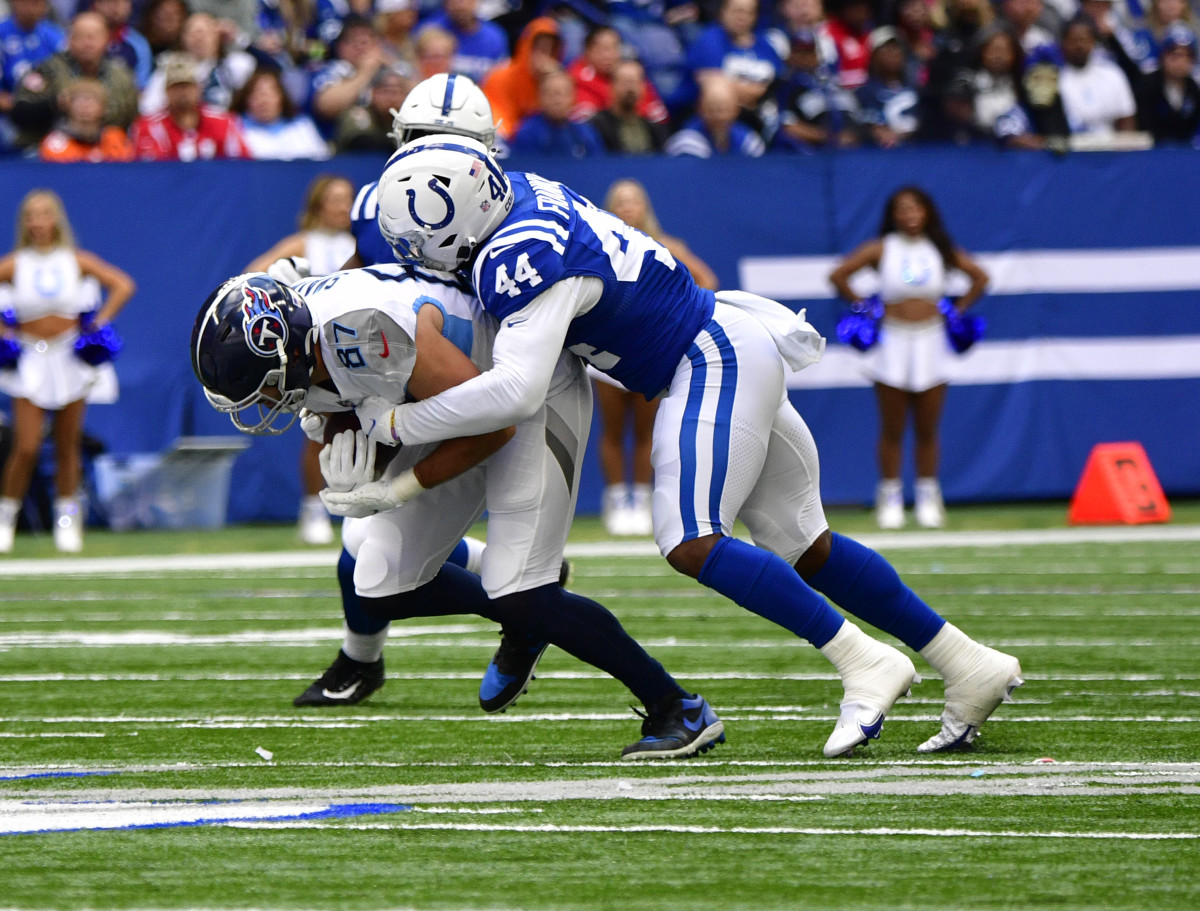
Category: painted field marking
<point>914,540</point>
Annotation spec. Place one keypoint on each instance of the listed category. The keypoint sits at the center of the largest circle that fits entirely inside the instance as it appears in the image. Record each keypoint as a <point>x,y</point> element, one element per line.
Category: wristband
<point>405,485</point>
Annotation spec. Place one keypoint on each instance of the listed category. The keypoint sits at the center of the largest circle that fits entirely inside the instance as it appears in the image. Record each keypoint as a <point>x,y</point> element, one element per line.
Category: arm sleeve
<point>525,353</point>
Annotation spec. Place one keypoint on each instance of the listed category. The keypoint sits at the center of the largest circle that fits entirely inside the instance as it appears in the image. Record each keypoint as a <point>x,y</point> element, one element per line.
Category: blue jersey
<point>364,225</point>
<point>21,51</point>
<point>650,312</point>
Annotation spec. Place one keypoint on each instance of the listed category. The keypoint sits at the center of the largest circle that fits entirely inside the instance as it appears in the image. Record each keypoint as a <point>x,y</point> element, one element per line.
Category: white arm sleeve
<point>526,350</point>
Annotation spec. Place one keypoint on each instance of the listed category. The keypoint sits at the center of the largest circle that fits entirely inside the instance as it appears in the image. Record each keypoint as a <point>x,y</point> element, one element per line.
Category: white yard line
<point>268,562</point>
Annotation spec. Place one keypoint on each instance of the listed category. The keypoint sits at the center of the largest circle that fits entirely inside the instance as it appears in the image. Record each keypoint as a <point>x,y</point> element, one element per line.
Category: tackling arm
<point>526,351</point>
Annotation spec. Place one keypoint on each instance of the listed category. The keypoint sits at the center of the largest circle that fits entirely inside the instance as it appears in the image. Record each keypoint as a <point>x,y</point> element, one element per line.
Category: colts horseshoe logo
<point>431,225</point>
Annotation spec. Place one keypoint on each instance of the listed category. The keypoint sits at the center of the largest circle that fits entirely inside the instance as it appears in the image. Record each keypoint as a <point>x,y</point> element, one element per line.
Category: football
<point>338,421</point>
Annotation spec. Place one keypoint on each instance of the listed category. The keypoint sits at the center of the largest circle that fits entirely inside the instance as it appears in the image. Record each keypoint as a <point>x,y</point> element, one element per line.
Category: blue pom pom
<point>98,346</point>
<point>962,329</point>
<point>10,353</point>
<point>858,327</point>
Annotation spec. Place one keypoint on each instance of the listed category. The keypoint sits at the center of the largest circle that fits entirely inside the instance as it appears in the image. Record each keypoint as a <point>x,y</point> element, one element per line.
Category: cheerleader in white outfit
<point>910,364</point>
<point>52,284</point>
<point>325,241</point>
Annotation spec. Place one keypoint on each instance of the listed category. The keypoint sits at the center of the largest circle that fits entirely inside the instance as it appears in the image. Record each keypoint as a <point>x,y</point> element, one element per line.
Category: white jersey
<point>48,283</point>
<point>910,268</point>
<point>327,251</point>
<point>367,324</point>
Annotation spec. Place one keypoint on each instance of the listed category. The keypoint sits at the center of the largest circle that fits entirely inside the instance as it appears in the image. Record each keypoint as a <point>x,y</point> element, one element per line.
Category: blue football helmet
<point>254,347</point>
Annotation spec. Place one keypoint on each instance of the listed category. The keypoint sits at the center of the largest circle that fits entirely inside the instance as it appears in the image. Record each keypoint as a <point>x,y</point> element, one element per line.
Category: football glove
<point>376,497</point>
<point>289,270</point>
<point>313,425</point>
<point>349,461</point>
<point>377,417</point>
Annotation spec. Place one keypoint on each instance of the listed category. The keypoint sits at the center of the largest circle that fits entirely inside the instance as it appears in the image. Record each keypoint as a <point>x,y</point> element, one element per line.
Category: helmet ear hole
<point>449,241</point>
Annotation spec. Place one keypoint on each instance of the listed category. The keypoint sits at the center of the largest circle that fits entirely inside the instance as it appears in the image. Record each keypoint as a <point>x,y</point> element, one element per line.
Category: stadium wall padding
<point>1109,358</point>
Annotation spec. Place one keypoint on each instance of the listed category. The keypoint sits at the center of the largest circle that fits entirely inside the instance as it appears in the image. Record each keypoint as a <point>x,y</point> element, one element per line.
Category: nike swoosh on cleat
<point>693,725</point>
<point>871,731</point>
<point>386,349</point>
<point>344,694</point>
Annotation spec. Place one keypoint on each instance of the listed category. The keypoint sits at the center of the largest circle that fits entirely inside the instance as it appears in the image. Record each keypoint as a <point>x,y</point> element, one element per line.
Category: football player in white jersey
<point>560,273</point>
<point>264,350</point>
<point>444,103</point>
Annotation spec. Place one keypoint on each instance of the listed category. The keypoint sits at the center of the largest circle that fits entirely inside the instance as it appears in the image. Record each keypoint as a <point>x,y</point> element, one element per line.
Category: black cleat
<point>510,670</point>
<point>347,682</point>
<point>687,728</point>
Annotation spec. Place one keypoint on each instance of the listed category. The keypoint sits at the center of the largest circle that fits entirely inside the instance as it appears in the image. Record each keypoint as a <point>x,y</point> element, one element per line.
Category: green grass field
<point>140,701</point>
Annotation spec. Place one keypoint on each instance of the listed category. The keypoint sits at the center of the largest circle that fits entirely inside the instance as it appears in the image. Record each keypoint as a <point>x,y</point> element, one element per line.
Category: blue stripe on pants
<point>723,420</point>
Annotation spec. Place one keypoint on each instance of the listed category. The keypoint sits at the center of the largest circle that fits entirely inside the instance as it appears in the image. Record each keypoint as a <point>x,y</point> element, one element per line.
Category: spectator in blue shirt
<point>736,48</point>
<point>715,130</point>
<point>27,38</point>
<point>481,44</point>
<point>888,102</point>
<point>551,131</point>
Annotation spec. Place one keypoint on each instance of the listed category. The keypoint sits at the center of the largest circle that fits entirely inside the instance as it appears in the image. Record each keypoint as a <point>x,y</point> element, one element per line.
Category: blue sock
<point>860,581</point>
<point>458,556</point>
<point>587,630</point>
<point>452,591</point>
<point>357,618</point>
<point>764,583</point>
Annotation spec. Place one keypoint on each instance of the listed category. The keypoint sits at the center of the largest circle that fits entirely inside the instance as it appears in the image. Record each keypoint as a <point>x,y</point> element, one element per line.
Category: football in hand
<point>338,421</point>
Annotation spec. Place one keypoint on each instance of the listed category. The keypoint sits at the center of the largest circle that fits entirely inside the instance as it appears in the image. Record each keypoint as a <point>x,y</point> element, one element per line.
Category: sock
<point>468,553</point>
<point>364,647</point>
<point>452,591</point>
<point>950,650</point>
<point>761,582</point>
<point>587,630</point>
<point>357,620</point>
<point>860,581</point>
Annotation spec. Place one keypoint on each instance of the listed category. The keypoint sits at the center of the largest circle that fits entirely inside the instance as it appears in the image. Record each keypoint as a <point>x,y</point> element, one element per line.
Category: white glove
<point>369,499</point>
<point>349,461</point>
<point>289,270</point>
<point>313,425</point>
<point>376,415</point>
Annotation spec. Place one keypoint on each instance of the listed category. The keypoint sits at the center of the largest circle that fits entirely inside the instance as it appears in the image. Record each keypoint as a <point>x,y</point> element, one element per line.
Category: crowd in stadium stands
<point>104,80</point>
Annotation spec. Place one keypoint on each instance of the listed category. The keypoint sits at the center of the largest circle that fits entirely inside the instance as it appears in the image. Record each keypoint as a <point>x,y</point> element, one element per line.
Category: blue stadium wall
<point>1094,315</point>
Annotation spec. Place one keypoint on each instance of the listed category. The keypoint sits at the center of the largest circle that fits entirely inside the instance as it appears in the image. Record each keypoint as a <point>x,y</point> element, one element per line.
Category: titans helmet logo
<point>262,323</point>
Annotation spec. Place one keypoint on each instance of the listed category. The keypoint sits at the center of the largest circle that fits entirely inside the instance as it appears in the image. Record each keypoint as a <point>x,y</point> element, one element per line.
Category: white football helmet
<point>440,197</point>
<point>445,103</point>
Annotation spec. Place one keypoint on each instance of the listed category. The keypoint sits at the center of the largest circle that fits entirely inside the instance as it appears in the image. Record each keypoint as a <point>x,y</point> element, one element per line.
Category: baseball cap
<point>881,36</point>
<point>1179,35</point>
<point>180,68</point>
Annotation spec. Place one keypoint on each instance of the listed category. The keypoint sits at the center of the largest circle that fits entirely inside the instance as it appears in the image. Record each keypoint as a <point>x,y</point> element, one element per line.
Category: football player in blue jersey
<point>560,273</point>
<point>264,350</point>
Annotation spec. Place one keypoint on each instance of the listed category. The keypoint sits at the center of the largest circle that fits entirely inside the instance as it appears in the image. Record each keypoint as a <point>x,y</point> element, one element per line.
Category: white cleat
<point>870,692</point>
<point>889,505</point>
<point>972,696</point>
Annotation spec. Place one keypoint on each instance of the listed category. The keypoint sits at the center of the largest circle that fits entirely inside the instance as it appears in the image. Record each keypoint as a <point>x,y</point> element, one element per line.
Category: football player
<point>444,103</point>
<point>560,273</point>
<point>385,334</point>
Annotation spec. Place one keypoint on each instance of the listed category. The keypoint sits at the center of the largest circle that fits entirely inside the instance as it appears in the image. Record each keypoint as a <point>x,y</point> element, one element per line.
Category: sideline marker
<point>1118,486</point>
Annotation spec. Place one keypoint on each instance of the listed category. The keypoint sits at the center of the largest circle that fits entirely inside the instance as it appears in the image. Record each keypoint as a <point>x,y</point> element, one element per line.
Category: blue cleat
<point>687,728</point>
<point>511,669</point>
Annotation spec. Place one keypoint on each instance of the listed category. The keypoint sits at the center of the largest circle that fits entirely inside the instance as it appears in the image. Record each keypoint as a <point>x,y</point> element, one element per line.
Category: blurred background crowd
<point>104,80</point>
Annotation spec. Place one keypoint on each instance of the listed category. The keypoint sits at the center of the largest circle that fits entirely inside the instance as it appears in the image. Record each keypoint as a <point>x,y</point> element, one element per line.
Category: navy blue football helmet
<point>253,350</point>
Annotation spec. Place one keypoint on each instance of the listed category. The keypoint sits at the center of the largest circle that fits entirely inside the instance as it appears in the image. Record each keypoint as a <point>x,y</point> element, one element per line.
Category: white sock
<point>364,647</point>
<point>928,489</point>
<point>641,495</point>
<point>949,649</point>
<point>846,647</point>
<point>9,510</point>
<point>474,554</point>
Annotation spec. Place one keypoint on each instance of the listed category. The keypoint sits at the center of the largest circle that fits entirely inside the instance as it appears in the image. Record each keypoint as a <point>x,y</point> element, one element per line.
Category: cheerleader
<point>910,365</point>
<point>53,284</point>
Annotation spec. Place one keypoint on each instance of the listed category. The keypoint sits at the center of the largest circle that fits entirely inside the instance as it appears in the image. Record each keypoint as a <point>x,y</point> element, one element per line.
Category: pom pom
<point>858,327</point>
<point>99,346</point>
<point>962,329</point>
<point>10,353</point>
